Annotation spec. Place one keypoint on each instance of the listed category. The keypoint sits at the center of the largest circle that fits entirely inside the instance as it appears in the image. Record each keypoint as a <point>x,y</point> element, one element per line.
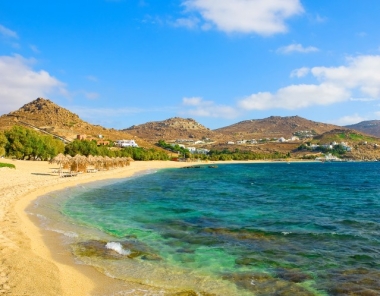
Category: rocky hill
<point>275,127</point>
<point>171,129</point>
<point>363,146</point>
<point>48,116</point>
<point>370,127</point>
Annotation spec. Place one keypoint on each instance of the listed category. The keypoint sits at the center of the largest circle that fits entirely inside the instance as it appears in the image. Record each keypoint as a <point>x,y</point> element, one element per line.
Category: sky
<point>120,63</point>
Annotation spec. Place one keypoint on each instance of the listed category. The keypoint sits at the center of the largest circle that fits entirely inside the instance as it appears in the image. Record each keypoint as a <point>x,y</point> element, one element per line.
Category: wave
<point>65,233</point>
<point>117,247</point>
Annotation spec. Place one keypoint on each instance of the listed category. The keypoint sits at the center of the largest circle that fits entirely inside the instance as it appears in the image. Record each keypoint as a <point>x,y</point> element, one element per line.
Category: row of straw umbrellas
<point>80,162</point>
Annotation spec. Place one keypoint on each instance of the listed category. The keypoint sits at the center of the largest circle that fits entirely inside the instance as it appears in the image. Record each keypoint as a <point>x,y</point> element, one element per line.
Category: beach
<point>187,231</point>
<point>28,266</point>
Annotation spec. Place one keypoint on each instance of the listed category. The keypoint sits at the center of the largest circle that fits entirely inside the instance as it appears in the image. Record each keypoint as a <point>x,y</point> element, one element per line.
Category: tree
<point>3,143</point>
<point>23,143</point>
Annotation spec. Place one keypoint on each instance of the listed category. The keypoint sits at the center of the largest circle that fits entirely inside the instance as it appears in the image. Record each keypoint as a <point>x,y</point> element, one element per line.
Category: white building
<point>192,149</point>
<point>126,143</point>
<point>202,151</point>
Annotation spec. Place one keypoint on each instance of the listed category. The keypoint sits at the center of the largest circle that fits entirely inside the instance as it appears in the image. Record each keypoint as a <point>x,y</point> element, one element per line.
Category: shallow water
<point>242,229</point>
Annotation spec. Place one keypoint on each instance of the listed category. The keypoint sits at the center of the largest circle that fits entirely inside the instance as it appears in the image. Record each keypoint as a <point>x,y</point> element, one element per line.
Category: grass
<point>7,165</point>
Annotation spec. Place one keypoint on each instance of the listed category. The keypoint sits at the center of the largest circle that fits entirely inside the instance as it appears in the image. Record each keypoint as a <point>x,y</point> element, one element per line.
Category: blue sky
<point>124,62</point>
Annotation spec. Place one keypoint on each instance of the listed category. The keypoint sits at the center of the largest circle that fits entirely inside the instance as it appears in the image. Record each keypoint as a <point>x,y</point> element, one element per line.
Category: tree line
<point>24,143</point>
<point>90,148</point>
<point>237,154</point>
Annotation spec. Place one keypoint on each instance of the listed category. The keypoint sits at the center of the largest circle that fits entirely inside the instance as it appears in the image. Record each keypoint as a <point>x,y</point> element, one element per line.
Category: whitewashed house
<point>126,143</point>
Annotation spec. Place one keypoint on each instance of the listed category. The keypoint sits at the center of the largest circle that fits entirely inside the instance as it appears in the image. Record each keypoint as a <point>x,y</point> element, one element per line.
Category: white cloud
<point>199,107</point>
<point>92,78</point>
<point>362,73</point>
<point>361,76</point>
<point>19,83</point>
<point>8,32</point>
<point>34,48</point>
<point>295,97</point>
<point>301,72</point>
<point>91,95</point>
<point>349,119</point>
<point>320,19</point>
<point>296,48</point>
<point>189,23</point>
<point>246,16</point>
<point>194,101</point>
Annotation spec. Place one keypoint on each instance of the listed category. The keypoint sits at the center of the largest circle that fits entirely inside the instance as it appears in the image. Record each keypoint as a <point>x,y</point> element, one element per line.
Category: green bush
<point>7,165</point>
<point>24,143</point>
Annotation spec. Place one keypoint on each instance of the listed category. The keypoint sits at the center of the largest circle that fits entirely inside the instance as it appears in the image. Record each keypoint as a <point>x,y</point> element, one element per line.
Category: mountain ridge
<point>370,127</point>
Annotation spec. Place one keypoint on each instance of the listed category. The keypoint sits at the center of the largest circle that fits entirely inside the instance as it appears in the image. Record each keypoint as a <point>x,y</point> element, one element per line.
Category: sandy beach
<point>27,265</point>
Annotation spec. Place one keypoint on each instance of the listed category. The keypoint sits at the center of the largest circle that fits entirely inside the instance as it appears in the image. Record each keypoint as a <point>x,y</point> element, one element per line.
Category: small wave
<point>285,232</point>
<point>117,247</point>
<point>65,233</point>
<point>42,217</point>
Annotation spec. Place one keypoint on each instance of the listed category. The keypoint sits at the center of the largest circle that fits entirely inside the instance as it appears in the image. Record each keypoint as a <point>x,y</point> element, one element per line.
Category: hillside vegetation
<point>270,138</point>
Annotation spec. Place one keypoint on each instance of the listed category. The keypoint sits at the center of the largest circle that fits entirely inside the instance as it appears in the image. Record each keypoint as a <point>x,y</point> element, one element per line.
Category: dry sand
<point>27,265</point>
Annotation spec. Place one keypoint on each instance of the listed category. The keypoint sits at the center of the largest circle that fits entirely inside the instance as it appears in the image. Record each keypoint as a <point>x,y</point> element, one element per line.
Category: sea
<point>233,229</point>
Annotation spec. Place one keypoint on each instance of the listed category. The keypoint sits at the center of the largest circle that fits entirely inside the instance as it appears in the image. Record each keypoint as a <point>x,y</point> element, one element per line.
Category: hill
<point>275,127</point>
<point>370,127</point>
<point>49,117</point>
<point>363,146</point>
<point>171,129</point>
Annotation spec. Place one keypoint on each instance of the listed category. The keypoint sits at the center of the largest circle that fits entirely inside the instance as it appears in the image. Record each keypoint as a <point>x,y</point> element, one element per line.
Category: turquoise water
<point>241,229</point>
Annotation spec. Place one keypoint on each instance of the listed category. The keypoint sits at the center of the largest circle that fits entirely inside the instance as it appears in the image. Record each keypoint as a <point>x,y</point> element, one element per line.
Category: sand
<point>27,265</point>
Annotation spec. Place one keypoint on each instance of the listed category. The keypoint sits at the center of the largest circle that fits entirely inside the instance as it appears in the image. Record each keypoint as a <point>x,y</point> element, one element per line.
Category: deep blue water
<point>241,229</point>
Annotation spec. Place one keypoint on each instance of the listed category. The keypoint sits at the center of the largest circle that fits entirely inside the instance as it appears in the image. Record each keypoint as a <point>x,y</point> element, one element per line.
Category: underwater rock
<point>265,284</point>
<point>97,248</point>
<point>359,281</point>
<point>292,275</point>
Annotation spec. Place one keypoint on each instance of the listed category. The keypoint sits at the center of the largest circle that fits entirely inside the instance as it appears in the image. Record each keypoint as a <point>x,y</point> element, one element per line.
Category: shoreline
<point>28,266</point>
<point>28,263</point>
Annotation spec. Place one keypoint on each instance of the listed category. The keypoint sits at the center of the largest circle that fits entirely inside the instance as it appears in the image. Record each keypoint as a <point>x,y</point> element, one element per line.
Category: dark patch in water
<point>292,275</point>
<point>360,281</point>
<point>265,284</point>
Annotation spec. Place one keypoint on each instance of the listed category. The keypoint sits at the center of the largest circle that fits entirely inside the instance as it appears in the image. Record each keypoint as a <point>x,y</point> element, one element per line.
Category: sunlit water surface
<point>241,229</point>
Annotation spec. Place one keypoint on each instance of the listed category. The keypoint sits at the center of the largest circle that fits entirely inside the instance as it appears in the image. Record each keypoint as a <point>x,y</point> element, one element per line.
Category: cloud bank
<point>244,16</point>
<point>360,76</point>
<point>19,83</point>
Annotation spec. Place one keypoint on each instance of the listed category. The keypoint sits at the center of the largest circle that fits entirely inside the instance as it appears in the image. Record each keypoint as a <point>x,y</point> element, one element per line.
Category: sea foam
<point>117,247</point>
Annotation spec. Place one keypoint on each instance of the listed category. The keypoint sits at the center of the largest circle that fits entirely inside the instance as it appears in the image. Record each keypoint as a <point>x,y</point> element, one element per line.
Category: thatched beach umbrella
<point>60,159</point>
<point>99,161</point>
<point>107,161</point>
<point>91,159</point>
<point>79,159</point>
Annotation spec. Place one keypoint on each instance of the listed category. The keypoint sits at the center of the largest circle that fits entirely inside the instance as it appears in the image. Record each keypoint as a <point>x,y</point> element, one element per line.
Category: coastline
<point>28,265</point>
